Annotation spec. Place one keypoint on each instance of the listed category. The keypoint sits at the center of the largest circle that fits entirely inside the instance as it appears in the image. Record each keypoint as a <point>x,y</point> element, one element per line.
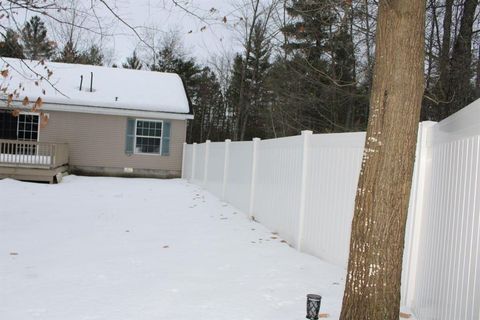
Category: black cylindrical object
<point>313,306</point>
<point>91,81</point>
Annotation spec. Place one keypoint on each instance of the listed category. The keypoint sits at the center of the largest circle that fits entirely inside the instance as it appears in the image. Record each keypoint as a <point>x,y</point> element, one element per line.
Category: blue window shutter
<point>130,136</point>
<point>166,138</point>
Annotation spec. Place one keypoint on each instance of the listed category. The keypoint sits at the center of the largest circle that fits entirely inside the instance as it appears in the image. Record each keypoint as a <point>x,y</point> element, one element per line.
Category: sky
<point>202,30</point>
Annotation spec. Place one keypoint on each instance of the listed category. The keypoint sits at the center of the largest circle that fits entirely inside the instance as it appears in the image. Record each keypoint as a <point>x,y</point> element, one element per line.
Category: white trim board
<point>112,111</point>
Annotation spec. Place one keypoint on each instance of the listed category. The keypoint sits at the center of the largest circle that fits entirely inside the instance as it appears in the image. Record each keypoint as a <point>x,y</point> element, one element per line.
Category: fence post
<point>225,167</point>
<point>252,179</point>
<point>183,160</point>
<point>418,195</point>
<point>205,170</point>
<point>194,159</point>
<point>306,134</point>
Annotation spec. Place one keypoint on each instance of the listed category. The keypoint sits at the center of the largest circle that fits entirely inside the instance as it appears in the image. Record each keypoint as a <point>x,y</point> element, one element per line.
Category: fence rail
<point>303,187</point>
<point>32,154</point>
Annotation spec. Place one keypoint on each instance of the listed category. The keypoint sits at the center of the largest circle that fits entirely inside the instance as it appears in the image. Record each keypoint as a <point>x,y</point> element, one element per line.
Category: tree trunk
<point>460,73</point>
<point>378,229</point>
<point>445,50</point>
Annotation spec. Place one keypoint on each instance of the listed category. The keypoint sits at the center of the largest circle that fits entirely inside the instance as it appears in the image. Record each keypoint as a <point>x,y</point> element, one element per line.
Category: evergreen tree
<point>310,31</point>
<point>320,53</point>
<point>133,62</point>
<point>10,46</point>
<point>203,90</point>
<point>69,54</point>
<point>36,43</point>
<point>208,108</point>
<point>92,56</point>
<point>168,61</point>
<point>250,112</point>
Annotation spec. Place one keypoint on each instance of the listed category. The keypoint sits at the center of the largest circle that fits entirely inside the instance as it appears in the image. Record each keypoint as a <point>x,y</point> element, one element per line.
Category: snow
<point>112,87</point>
<point>112,248</point>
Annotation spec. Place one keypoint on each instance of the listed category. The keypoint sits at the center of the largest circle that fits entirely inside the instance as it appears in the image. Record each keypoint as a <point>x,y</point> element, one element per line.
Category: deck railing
<point>31,154</point>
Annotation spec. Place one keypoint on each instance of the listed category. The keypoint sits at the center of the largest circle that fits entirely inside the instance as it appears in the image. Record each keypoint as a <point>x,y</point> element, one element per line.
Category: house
<point>91,120</point>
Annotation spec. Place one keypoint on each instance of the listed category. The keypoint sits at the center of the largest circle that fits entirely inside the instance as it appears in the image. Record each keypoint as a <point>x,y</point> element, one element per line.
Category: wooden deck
<point>33,161</point>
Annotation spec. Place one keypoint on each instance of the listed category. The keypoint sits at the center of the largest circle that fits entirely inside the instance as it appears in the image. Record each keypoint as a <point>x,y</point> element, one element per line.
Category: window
<point>8,125</point>
<point>28,127</point>
<point>148,136</point>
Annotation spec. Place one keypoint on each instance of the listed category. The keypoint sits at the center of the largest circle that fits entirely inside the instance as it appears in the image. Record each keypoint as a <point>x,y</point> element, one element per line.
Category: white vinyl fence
<point>303,187</point>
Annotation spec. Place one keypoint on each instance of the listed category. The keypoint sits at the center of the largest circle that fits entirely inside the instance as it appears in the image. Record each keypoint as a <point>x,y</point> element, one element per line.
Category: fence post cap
<point>228,140</point>
<point>256,139</point>
<point>208,141</point>
<point>194,143</point>
<point>305,132</point>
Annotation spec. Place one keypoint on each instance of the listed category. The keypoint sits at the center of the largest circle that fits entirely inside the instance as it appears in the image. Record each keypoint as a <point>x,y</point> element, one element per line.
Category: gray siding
<point>98,141</point>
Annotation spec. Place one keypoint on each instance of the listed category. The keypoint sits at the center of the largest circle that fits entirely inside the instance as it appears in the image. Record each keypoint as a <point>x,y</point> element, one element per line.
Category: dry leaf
<point>15,113</point>
<point>166,247</point>
<point>324,315</point>
<point>43,120</point>
<point>224,19</point>
<point>9,99</point>
<point>4,73</point>
<point>25,101</point>
<point>38,103</point>
<point>203,28</point>
<point>13,253</point>
<point>404,315</point>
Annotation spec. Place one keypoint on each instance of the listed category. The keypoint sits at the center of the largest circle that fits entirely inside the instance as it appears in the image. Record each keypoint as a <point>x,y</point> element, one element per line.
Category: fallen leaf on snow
<point>323,315</point>
<point>14,253</point>
<point>404,315</point>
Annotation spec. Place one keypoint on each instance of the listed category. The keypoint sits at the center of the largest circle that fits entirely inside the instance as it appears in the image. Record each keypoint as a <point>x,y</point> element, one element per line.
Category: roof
<point>113,88</point>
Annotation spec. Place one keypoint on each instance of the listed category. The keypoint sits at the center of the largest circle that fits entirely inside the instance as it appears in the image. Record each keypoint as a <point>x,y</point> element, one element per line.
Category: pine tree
<point>258,65</point>
<point>133,62</point>
<point>69,54</point>
<point>208,108</point>
<point>310,33</point>
<point>168,61</point>
<point>10,46</point>
<point>92,56</point>
<point>320,52</point>
<point>36,43</point>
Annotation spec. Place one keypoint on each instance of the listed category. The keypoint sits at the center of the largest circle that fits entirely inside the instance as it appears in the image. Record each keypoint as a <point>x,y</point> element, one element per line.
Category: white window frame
<point>135,138</point>
<point>38,127</point>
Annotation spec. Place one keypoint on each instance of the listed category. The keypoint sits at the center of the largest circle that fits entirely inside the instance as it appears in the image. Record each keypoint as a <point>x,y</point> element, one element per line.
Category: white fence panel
<point>303,187</point>
<point>276,201</point>
<point>199,167</point>
<point>334,163</point>
<point>187,165</point>
<point>239,175</point>
<point>447,275</point>
<point>215,168</point>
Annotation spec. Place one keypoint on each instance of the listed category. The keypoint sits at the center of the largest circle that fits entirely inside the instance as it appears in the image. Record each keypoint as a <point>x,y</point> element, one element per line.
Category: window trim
<point>135,138</point>
<point>38,127</point>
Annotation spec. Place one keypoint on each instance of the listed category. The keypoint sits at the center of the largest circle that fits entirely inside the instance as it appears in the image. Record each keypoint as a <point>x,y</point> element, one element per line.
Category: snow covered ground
<point>110,248</point>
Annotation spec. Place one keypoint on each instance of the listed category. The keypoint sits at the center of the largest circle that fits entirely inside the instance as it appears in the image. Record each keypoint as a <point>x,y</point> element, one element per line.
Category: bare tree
<point>372,290</point>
